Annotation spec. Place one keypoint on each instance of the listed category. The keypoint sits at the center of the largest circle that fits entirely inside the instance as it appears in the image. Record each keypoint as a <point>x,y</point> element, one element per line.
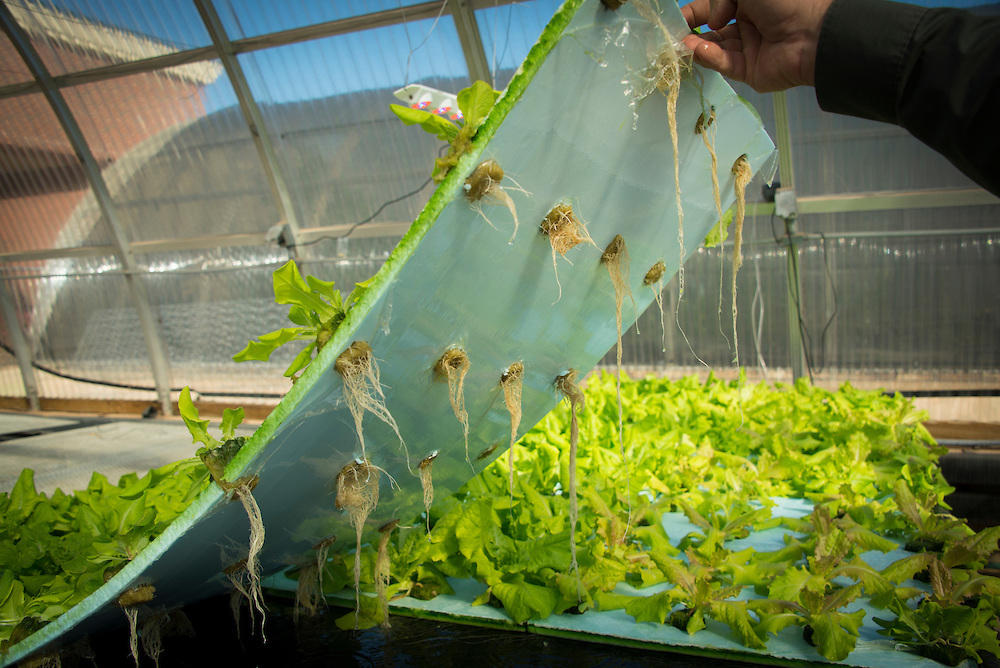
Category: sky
<point>376,59</point>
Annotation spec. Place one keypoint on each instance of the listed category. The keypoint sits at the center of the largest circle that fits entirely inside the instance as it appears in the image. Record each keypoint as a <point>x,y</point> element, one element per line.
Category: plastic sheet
<point>567,132</point>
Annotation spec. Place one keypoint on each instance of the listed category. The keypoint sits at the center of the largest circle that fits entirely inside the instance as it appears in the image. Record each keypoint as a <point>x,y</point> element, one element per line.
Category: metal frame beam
<point>472,43</point>
<point>254,120</point>
<point>136,288</point>
<point>22,351</point>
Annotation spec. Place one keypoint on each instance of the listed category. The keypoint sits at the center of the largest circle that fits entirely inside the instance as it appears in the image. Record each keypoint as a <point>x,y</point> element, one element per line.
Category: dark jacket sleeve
<point>934,72</point>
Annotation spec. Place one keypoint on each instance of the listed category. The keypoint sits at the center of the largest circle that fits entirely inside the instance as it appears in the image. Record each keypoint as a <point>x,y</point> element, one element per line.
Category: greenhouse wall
<point>207,193</point>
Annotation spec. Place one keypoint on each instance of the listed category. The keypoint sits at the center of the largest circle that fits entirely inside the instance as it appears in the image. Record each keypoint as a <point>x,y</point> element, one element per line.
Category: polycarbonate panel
<point>77,35</point>
<point>509,31</point>
<point>211,303</point>
<point>923,304</point>
<point>174,168</point>
<point>14,71</point>
<point>80,323</point>
<point>249,18</point>
<point>11,381</point>
<point>45,197</point>
<point>835,154</point>
<point>346,158</point>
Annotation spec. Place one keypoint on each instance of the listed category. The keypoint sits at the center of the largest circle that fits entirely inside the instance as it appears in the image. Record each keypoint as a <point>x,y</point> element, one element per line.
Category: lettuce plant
<point>475,103</point>
<point>315,307</point>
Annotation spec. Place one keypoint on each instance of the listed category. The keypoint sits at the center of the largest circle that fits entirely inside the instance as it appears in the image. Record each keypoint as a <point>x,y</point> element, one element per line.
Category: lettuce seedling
<point>701,594</point>
<point>217,454</point>
<point>317,309</point>
<point>475,103</point>
<point>932,531</point>
<point>947,634</point>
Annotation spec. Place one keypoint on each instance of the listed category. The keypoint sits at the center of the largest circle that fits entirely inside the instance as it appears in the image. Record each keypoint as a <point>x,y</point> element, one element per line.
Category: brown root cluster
<point>743,174</point>
<point>653,279</point>
<point>512,381</point>
<point>129,601</point>
<point>452,367</point>
<point>308,594</point>
<point>483,187</point>
<point>566,385</point>
<point>256,543</point>
<point>357,492</point>
<point>363,388</point>
<point>427,483</point>
<point>565,231</point>
<point>382,569</point>
<point>616,259</point>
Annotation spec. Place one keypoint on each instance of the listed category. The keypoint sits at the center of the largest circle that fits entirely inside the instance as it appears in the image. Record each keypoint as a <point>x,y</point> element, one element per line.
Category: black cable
<point>330,237</point>
<point>833,288</point>
<point>803,330</point>
<point>139,388</point>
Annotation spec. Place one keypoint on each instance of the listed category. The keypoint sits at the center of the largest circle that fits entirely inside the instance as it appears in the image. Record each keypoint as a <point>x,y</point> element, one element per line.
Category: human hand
<point>771,46</point>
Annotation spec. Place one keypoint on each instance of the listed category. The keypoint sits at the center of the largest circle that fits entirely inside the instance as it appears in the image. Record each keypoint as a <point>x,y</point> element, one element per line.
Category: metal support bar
<point>786,175</point>
<point>22,351</point>
<point>136,289</point>
<point>472,43</point>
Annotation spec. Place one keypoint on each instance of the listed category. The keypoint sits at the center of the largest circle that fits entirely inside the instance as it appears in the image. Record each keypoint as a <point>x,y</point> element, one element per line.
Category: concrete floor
<point>65,451</point>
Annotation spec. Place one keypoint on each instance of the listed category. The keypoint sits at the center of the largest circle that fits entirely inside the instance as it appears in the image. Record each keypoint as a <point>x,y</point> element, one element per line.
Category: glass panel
<point>45,198</point>
<point>223,298</point>
<point>509,31</point>
<point>835,154</point>
<point>76,35</point>
<point>900,311</point>
<point>81,326</point>
<point>249,18</point>
<point>177,160</point>
<point>13,70</point>
<point>346,158</point>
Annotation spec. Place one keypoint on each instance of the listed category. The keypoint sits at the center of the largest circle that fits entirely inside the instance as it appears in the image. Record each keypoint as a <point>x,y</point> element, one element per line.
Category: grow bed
<point>745,494</point>
<point>587,122</point>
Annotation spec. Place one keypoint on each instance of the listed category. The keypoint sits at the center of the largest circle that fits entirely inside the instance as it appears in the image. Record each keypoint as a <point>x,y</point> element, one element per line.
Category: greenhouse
<point>523,333</point>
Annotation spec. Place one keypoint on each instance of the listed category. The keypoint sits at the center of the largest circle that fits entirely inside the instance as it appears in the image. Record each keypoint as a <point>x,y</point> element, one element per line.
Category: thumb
<point>721,13</point>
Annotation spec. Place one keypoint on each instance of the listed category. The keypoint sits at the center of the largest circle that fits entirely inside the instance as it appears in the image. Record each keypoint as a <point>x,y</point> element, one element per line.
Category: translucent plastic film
<point>585,146</point>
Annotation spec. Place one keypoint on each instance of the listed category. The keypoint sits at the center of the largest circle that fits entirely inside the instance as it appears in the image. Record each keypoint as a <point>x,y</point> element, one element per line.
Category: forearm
<point>934,72</point>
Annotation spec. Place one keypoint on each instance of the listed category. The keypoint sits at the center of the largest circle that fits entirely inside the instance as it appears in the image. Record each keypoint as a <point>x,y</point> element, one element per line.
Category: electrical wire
<point>139,388</point>
<point>757,315</point>
<point>352,228</point>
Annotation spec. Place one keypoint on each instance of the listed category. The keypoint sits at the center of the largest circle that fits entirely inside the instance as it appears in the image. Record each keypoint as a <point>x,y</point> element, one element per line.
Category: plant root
<point>308,595</point>
<point>243,489</point>
<point>616,259</point>
<point>357,492</point>
<point>668,69</point>
<point>654,279</point>
<point>483,187</point>
<point>382,568</point>
<point>152,636</point>
<point>452,367</point>
<point>322,549</point>
<point>129,601</point>
<point>705,126</point>
<point>424,470</point>
<point>565,231</point>
<point>743,174</point>
<point>566,384</point>
<point>363,390</point>
<point>235,572</point>
<point>512,381</point>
